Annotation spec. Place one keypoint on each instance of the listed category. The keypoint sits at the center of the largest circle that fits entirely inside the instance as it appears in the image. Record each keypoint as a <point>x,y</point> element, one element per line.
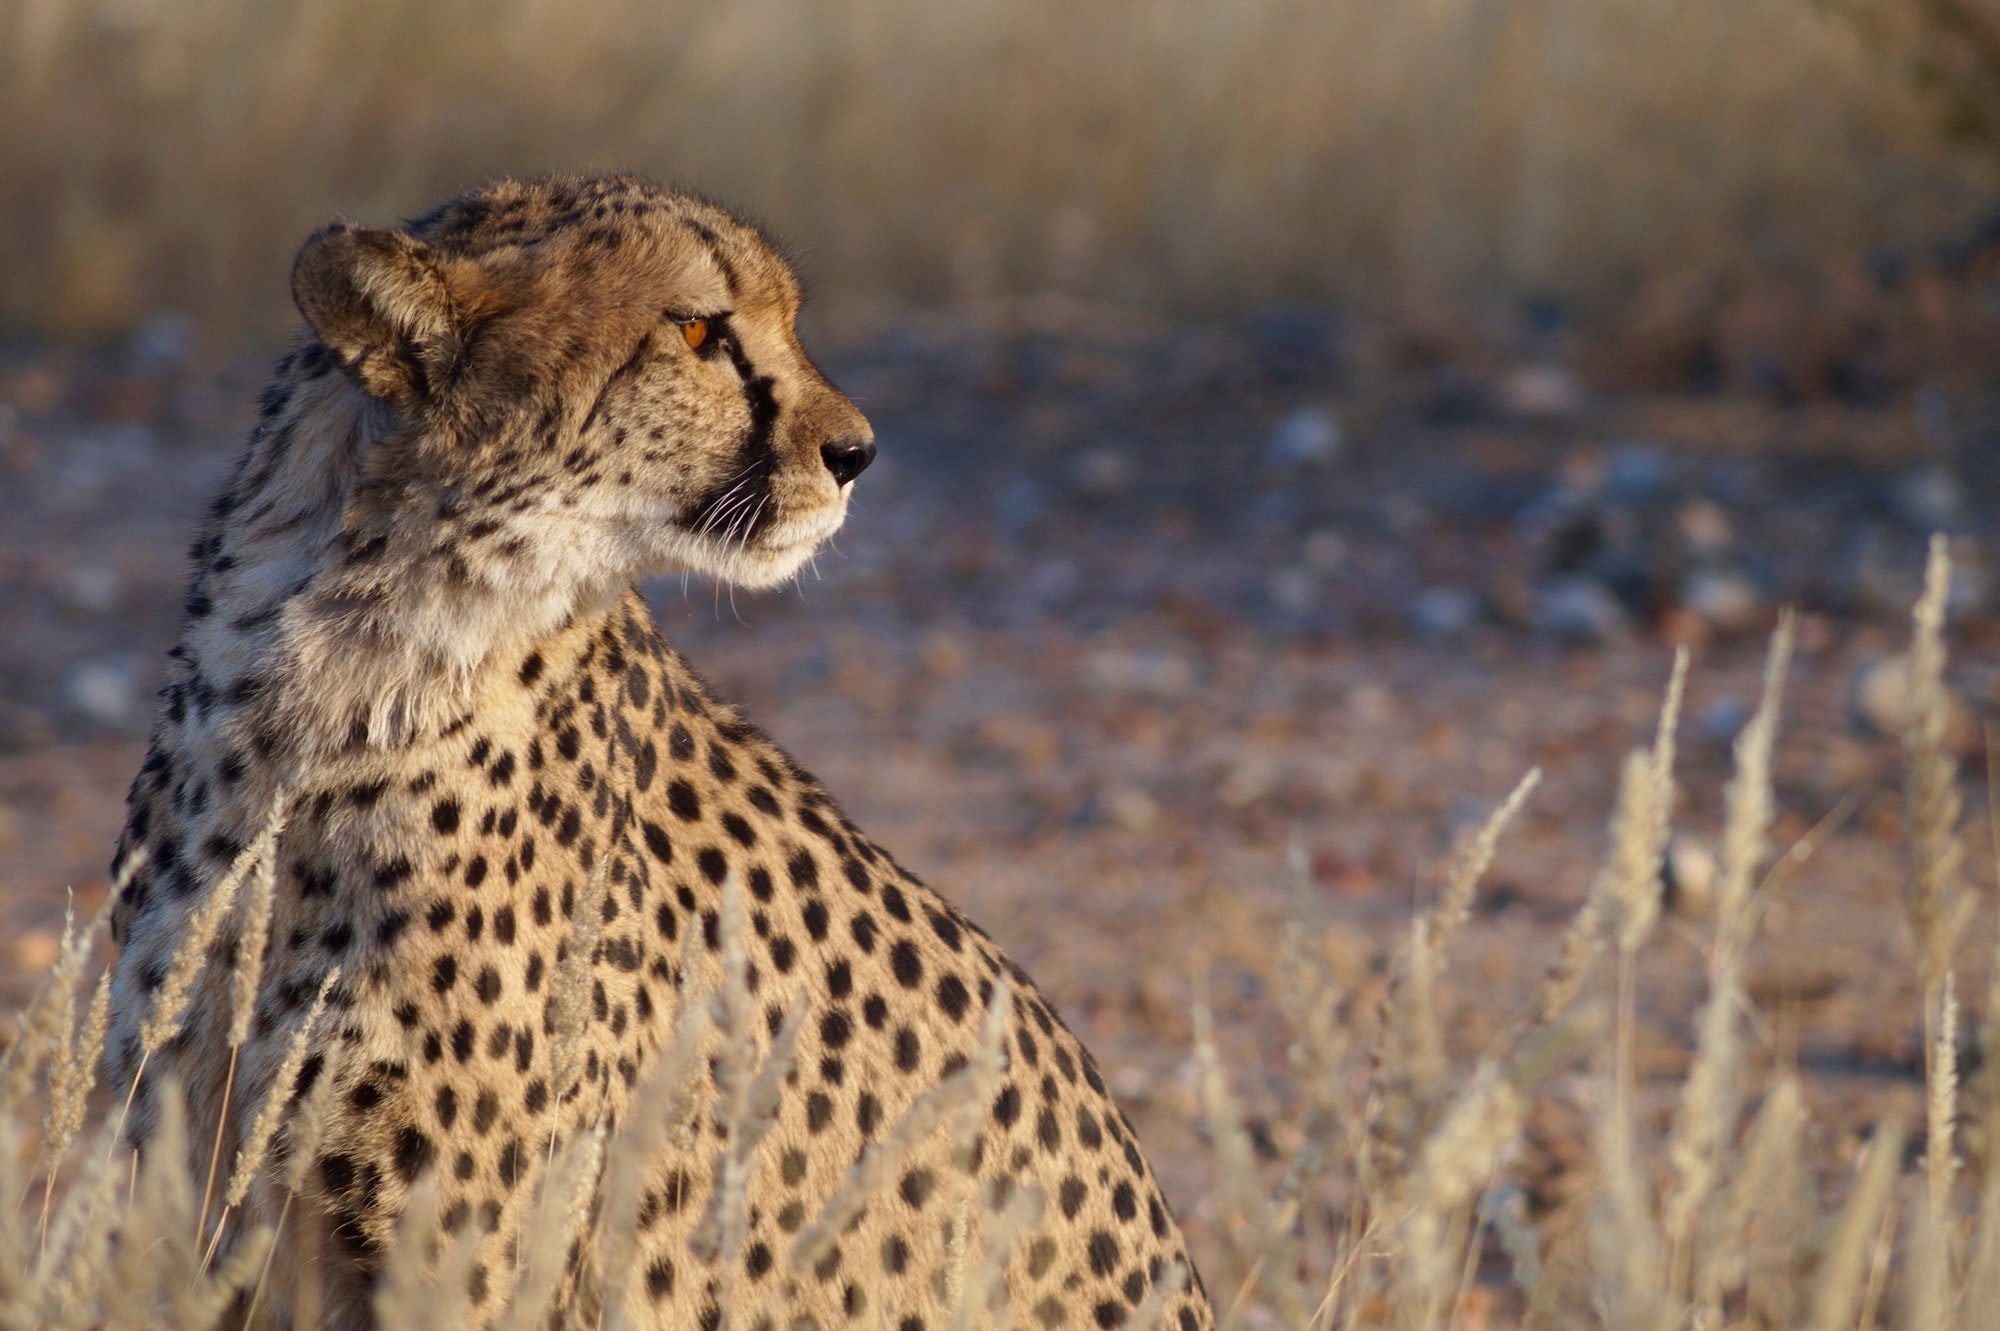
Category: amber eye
<point>695,331</point>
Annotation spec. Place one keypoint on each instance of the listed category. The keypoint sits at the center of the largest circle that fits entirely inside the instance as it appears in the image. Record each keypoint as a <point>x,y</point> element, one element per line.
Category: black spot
<point>444,816</point>
<point>839,979</point>
<point>719,764</point>
<point>819,1111</point>
<point>484,1112</point>
<point>916,1187</point>
<point>803,870</point>
<point>908,1051</point>
<point>1123,1203</point>
<point>337,1172</point>
<point>1108,1314</point>
<point>414,1153</point>
<point>943,926</point>
<point>1030,1051</point>
<point>475,872</point>
<point>660,1278</point>
<point>863,929</point>
<point>835,1028</point>
<point>815,918</point>
<point>951,996</point>
<point>714,866</point>
<point>1007,1106</point>
<point>893,902</point>
<point>743,833</point>
<point>393,874</point>
<point>391,926</point>
<point>531,669</point>
<point>874,1011</point>
<point>1048,1132</point>
<point>1070,1195</point>
<point>1065,1064</point>
<point>683,801</point>
<point>444,973</point>
<point>903,960</point>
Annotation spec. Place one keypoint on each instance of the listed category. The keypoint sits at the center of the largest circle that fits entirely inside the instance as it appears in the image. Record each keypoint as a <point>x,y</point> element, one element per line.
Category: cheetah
<point>413,620</point>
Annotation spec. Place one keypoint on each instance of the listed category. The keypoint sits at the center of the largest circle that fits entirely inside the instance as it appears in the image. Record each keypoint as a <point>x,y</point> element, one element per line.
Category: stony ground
<point>1126,610</point>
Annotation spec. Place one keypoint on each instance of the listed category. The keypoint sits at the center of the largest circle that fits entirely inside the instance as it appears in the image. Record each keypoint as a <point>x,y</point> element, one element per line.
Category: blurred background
<point>1298,417</point>
<point>1705,185</point>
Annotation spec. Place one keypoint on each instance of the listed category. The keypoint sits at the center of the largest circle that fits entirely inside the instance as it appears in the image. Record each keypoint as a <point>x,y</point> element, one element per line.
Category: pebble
<point>1444,612</point>
<point>1542,392</point>
<point>1635,472</point>
<point>1103,472</point>
<point>1131,808</point>
<point>105,692</point>
<point>91,588</point>
<point>1705,529</point>
<point>1292,589</point>
<point>1578,609</point>
<point>1928,498</point>
<point>1309,436</point>
<point>1721,719</point>
<point>1723,599</point>
<point>1159,674</point>
<point>1879,704</point>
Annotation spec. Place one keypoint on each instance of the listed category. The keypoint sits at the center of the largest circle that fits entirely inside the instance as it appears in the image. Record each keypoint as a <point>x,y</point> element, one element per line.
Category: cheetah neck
<point>330,613</point>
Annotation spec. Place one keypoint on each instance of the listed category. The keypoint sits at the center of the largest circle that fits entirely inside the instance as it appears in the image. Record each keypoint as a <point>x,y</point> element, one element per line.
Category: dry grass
<point>1182,154</point>
<point>1405,1183</point>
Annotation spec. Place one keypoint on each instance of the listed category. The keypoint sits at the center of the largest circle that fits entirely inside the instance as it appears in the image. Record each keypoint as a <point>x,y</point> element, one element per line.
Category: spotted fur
<point>412,612</point>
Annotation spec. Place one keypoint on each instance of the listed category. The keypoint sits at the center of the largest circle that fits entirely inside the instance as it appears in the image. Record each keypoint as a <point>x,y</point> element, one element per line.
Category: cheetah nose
<point>847,459</point>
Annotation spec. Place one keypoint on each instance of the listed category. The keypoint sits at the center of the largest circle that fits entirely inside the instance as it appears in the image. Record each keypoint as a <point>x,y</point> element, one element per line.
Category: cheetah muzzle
<point>413,615</point>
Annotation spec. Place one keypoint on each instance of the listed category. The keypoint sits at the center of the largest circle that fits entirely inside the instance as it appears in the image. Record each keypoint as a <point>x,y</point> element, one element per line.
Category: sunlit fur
<point>412,624</point>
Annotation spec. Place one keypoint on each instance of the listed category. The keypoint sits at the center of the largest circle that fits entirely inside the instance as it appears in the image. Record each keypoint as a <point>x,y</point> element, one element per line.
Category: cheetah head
<point>589,379</point>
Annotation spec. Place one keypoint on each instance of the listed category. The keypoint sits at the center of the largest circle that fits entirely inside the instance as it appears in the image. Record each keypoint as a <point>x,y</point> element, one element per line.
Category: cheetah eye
<point>695,331</point>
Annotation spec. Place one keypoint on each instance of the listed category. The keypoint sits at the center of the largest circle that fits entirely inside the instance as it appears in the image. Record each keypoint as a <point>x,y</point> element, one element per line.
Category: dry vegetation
<point>1187,154</point>
<point>1404,1206</point>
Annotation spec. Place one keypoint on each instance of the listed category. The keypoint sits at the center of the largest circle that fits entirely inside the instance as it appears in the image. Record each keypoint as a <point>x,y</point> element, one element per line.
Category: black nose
<point>847,460</point>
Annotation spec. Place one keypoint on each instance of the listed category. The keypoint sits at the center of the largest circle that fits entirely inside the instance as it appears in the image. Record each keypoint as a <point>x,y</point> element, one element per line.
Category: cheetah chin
<point>543,880</point>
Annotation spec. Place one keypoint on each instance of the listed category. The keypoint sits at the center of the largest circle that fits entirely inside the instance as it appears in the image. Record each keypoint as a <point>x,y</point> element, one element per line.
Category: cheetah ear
<point>380,302</point>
